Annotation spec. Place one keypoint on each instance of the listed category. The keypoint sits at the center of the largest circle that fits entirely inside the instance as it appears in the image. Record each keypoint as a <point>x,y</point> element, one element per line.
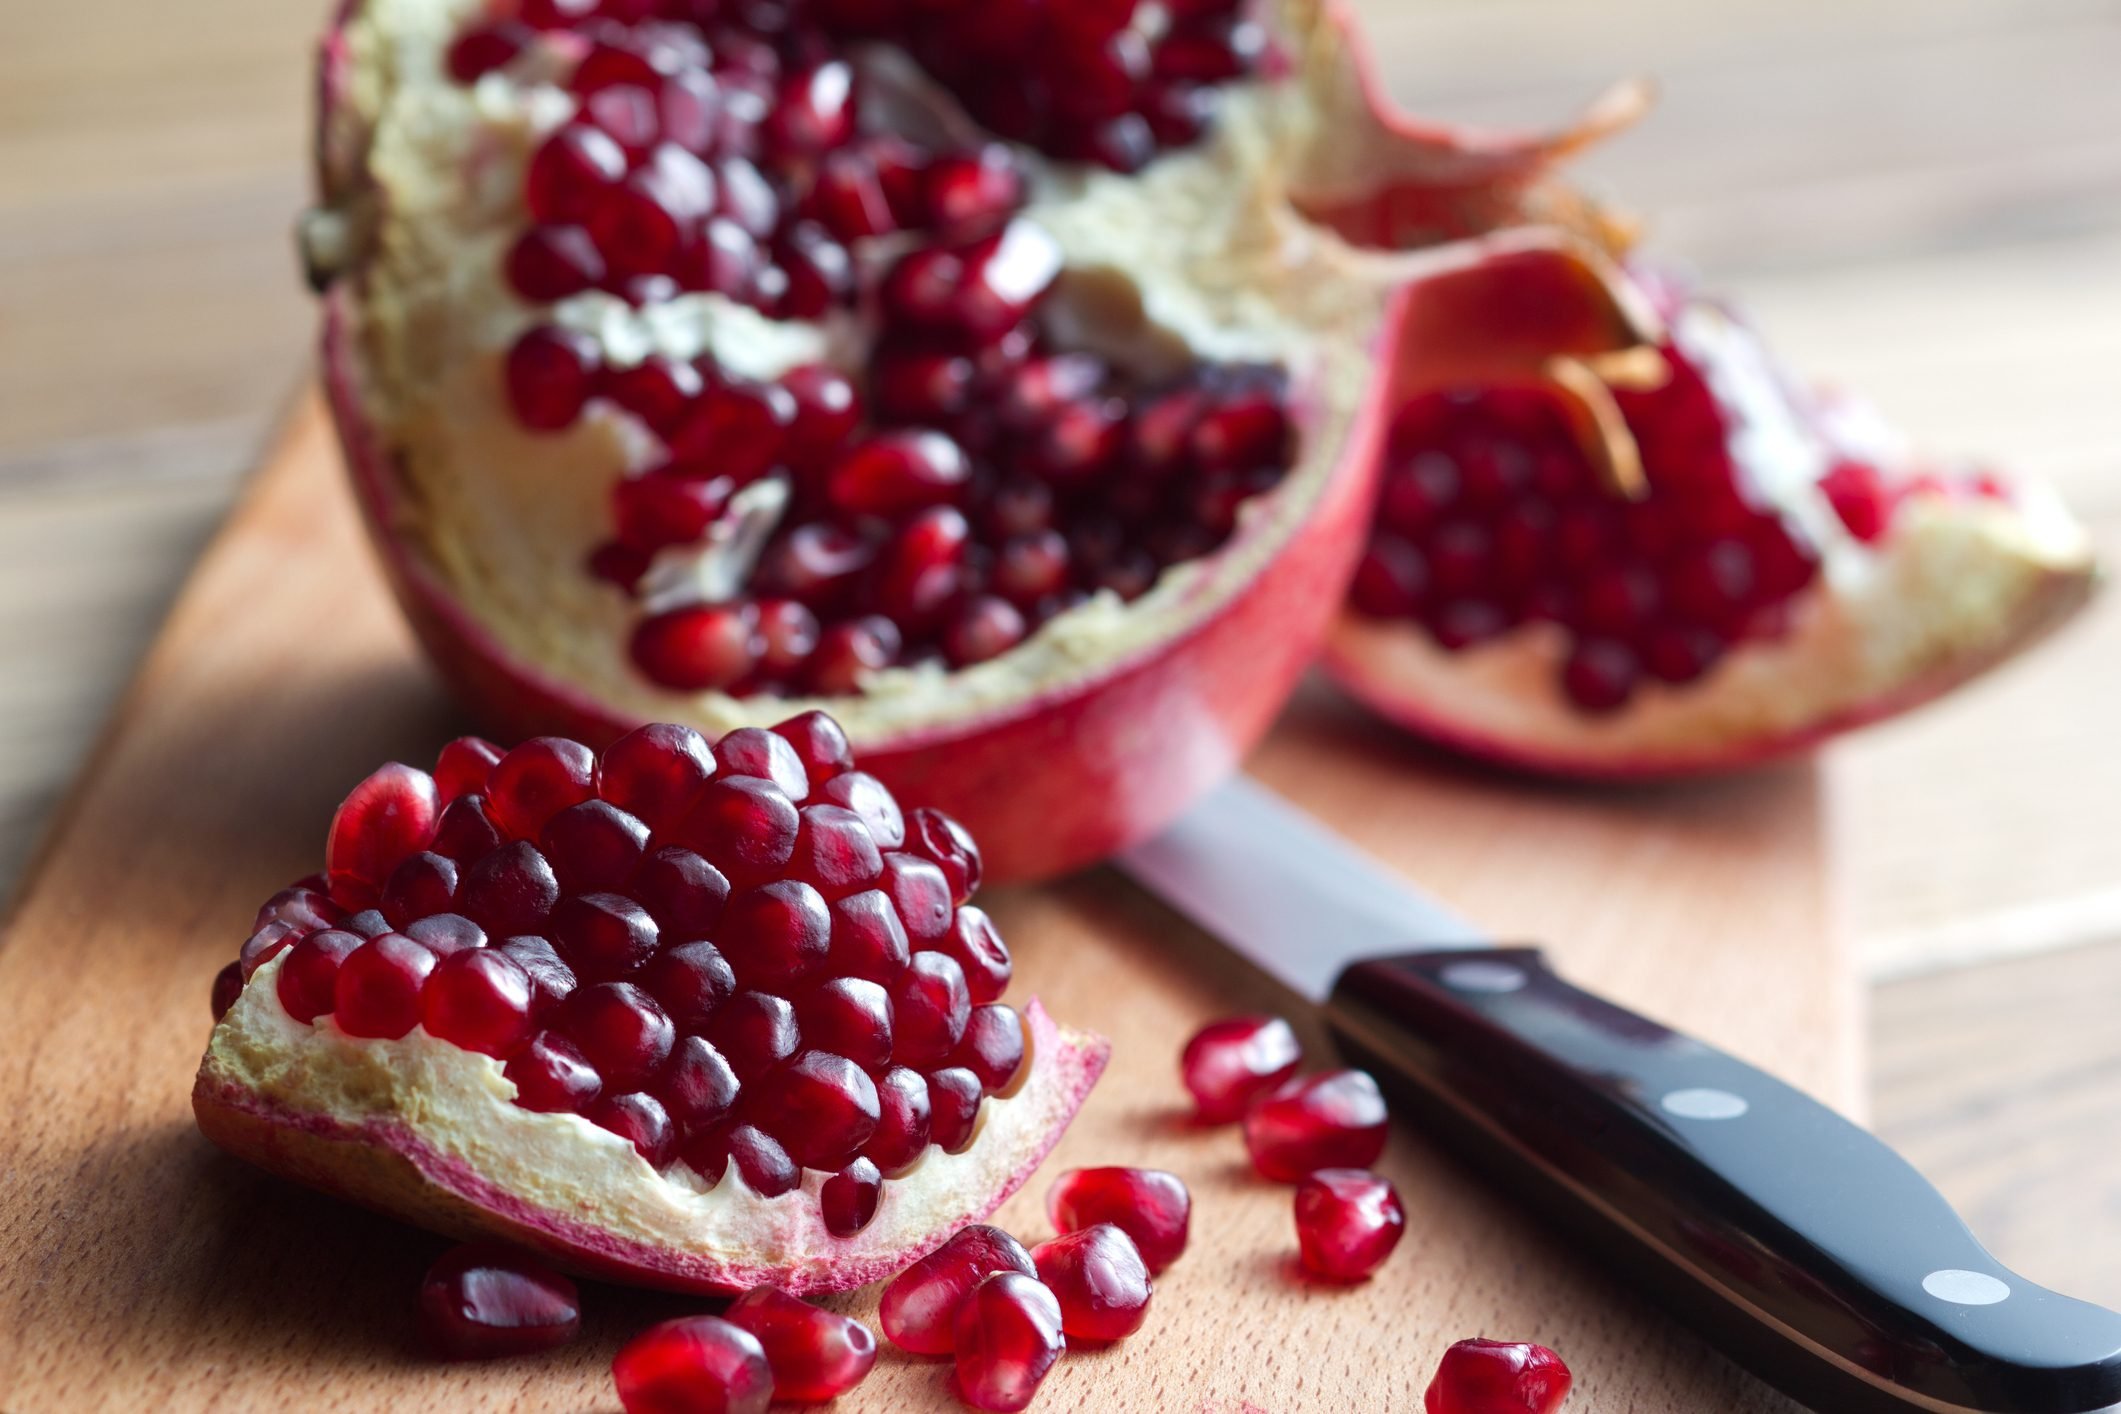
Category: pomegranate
<point>1333,1120</point>
<point>1100,1280</point>
<point>815,1354</point>
<point>693,1365</point>
<point>1230,1063</point>
<point>670,1013</point>
<point>1347,1222</point>
<point>1008,1336</point>
<point>977,371</point>
<point>1151,1206</point>
<point>1681,560</point>
<point>480,1301</point>
<point>1497,1377</point>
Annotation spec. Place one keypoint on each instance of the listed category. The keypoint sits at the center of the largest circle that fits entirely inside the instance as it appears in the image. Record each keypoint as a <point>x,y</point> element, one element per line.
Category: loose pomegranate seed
<point>387,817</point>
<point>479,999</point>
<point>1334,1120</point>
<point>1347,1222</point>
<point>377,990</point>
<point>482,1301</point>
<point>815,1355</point>
<point>848,1200</point>
<point>1099,1279</point>
<point>1008,1336</point>
<point>1151,1206</point>
<point>1861,499</point>
<point>620,1030</point>
<point>308,975</point>
<point>1496,1377</point>
<point>903,1123</point>
<point>552,1076</point>
<point>993,1047</point>
<point>1229,1064</point>
<point>920,1307</point>
<point>953,1108</point>
<point>694,1365</point>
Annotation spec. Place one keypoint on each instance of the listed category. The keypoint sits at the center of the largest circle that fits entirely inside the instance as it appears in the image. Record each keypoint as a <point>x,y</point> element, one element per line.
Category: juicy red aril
<point>536,781</point>
<point>698,648</point>
<point>868,941</point>
<point>820,745</point>
<point>776,935</point>
<point>639,1119</point>
<point>479,999</point>
<point>867,797</point>
<point>425,883</point>
<point>919,1308</point>
<point>486,48</point>
<point>1100,1280</point>
<point>655,772</point>
<point>1151,1206</point>
<point>1347,1222</point>
<point>1497,1377</point>
<point>465,832</point>
<point>953,1108</point>
<point>903,1121</point>
<point>510,892</point>
<point>463,768</point>
<point>815,1355</point>
<point>930,1009</point>
<point>1860,497</point>
<point>1008,1336</point>
<point>1334,1120</point>
<point>848,1016</point>
<point>1229,1064</point>
<point>835,851</point>
<point>765,755</point>
<point>693,1365</point>
<point>593,846</point>
<point>570,173</point>
<point>681,891</point>
<point>550,374</point>
<point>310,971</point>
<point>746,827</point>
<point>552,1076</point>
<point>921,895</point>
<point>603,936</point>
<point>827,410</point>
<point>821,1107</point>
<point>697,1087</point>
<point>946,844</point>
<point>552,981</point>
<point>761,1162</point>
<point>848,1200</point>
<point>549,263</point>
<point>755,1031</point>
<point>445,934</point>
<point>993,1046</point>
<point>387,817</point>
<point>621,1031</point>
<point>377,990</point>
<point>897,472</point>
<point>980,953</point>
<point>482,1301</point>
<point>690,980</point>
<point>227,987</point>
<point>659,391</point>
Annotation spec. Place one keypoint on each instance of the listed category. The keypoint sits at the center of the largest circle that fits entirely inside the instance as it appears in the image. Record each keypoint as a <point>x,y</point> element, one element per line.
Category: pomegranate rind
<point>430,1133</point>
<point>1091,744</point>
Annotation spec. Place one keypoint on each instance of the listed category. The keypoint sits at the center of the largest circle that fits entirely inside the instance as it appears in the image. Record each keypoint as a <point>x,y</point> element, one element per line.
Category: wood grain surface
<point>141,1268</point>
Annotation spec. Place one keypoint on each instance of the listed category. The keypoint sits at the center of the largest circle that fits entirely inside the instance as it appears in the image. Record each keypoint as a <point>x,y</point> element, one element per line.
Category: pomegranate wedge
<point>971,370</point>
<point>640,1018</point>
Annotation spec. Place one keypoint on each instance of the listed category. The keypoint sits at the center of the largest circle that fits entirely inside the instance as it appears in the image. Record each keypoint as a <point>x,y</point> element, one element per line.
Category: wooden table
<point>1920,196</point>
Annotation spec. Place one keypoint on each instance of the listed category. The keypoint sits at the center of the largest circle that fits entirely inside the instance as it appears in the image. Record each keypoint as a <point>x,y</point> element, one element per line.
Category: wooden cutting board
<point>140,1268</point>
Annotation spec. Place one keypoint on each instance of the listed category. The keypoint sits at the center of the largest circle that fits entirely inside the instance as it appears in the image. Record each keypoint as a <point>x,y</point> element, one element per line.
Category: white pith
<point>1955,580</point>
<point>461,1106</point>
<point>1196,257</point>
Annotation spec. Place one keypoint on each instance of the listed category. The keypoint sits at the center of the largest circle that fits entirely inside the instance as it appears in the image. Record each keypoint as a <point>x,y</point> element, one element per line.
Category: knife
<point>1791,1239</point>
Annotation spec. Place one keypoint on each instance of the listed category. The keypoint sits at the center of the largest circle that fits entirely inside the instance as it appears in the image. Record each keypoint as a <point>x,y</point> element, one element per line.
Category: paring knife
<point>1791,1239</point>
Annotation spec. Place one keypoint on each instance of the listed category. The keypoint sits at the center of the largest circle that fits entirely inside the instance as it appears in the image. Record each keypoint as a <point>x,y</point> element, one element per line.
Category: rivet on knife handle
<point>1793,1239</point>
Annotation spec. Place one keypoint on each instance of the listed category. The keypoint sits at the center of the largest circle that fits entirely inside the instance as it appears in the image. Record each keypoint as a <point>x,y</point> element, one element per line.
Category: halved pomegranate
<point>1005,377</point>
<point>679,1015</point>
<point>1679,560</point>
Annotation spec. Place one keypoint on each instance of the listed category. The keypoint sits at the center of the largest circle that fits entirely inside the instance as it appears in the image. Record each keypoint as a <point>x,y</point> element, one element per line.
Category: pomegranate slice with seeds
<point>1008,1336</point>
<point>482,1301</point>
<point>1680,562</point>
<point>694,1365</point>
<point>1333,1120</point>
<point>1497,1377</point>
<point>797,1057</point>
<point>1151,1206</point>
<point>1347,1222</point>
<point>920,1307</point>
<point>1081,473</point>
<point>815,1355</point>
<point>1100,1280</point>
<point>1229,1064</point>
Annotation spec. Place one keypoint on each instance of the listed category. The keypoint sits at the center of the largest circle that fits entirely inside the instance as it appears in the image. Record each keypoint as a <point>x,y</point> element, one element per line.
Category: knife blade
<point>1792,1239</point>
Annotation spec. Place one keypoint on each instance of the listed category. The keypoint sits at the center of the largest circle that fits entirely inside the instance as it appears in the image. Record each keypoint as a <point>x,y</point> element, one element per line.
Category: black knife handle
<point>1791,1238</point>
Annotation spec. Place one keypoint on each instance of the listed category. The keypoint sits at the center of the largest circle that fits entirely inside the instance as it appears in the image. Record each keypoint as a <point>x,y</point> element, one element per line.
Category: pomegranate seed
<point>1151,1206</point>
<point>698,1087</point>
<point>227,987</point>
<point>1008,1336</point>
<point>536,781</point>
<point>835,851</point>
<point>552,981</point>
<point>446,934</point>
<point>626,112</point>
<point>510,892</point>
<point>919,1308</point>
<point>903,1122</point>
<point>945,843</point>
<point>1860,498</point>
<point>966,191</point>
<point>592,846</point>
<point>820,745</point>
<point>818,270</point>
<point>1600,675</point>
<point>655,773</point>
<point>570,173</point>
<point>551,1076</point>
<point>848,198</point>
<point>483,49</point>
<point>377,990</point>
<point>466,833</point>
<point>993,1047</point>
<point>1495,1377</point>
<point>821,1107</point>
<point>848,1200</point>
<point>698,649</point>
<point>815,1355</point>
<point>693,1365</point>
<point>776,935</point>
<point>482,1301</point>
<point>660,391</point>
<point>953,1108</point>
<point>740,428</point>
<point>920,893</point>
<point>930,1009</point>
<point>747,197</point>
<point>1333,1120</point>
<point>788,634</point>
<point>689,981</point>
<point>603,936</point>
<point>762,1163</point>
<point>1098,1277</point>
<point>642,1121</point>
<point>755,1032</point>
<point>848,1016</point>
<point>916,386</point>
<point>307,976</point>
<point>478,999</point>
<point>549,263</point>
<point>745,826</point>
<point>867,797</point>
<point>765,755</point>
<point>721,257</point>
<point>388,816</point>
<point>980,954</point>
<point>620,1030</point>
<point>815,111</point>
<point>827,409</point>
<point>1347,1222</point>
<point>896,472</point>
<point>463,768</point>
<point>1229,1064</point>
<point>681,891</point>
<point>847,653</point>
